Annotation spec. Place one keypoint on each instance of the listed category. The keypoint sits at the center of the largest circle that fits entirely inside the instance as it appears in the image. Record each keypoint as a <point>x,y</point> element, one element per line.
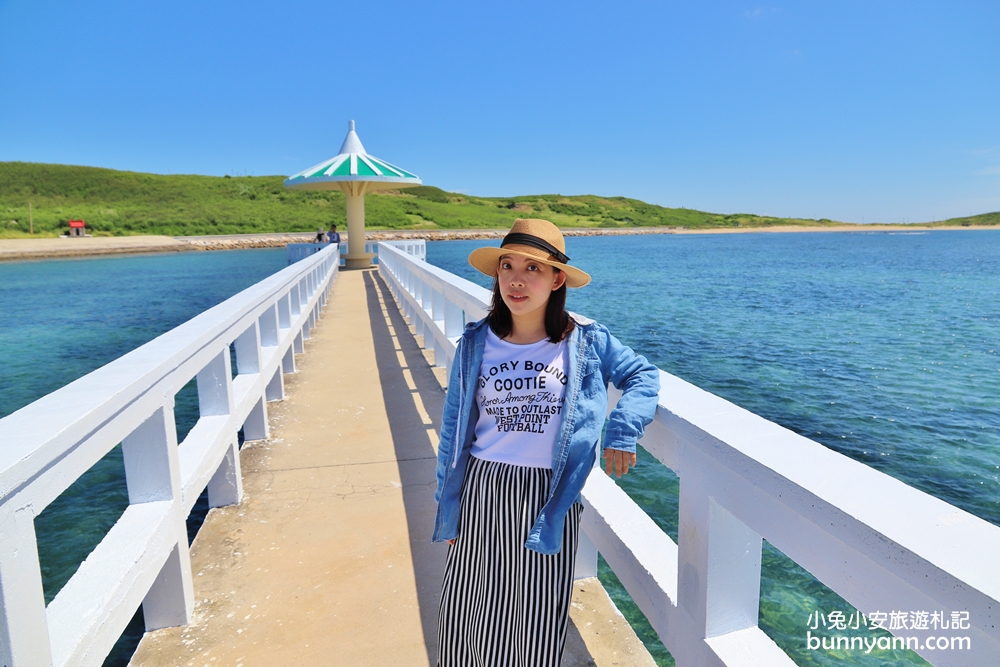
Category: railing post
<point>226,486</point>
<point>24,632</point>
<point>718,565</point>
<point>284,313</point>
<point>416,291</point>
<point>270,337</point>
<point>170,600</point>
<point>215,386</point>
<point>152,473</point>
<point>256,427</point>
<point>586,557</point>
<point>288,361</point>
<point>275,390</point>
<point>248,362</point>
<point>408,283</point>
<point>268,324</point>
<point>423,299</point>
<point>454,324</point>
<point>248,351</point>
<point>438,314</point>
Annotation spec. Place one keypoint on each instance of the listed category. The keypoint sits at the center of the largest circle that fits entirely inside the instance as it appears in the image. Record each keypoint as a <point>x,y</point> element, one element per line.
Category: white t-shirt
<point>520,394</point>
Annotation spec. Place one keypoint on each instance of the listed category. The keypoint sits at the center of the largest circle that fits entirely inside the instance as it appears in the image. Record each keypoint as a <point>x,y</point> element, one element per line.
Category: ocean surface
<point>882,346</point>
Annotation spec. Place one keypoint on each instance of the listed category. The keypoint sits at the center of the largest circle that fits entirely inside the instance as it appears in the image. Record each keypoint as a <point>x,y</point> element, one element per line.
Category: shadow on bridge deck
<point>328,559</point>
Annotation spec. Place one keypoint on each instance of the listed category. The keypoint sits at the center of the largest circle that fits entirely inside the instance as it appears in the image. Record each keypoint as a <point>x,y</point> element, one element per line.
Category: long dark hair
<point>558,323</point>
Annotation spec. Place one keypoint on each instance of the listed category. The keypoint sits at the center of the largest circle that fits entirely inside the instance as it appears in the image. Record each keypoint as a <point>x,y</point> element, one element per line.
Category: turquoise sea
<point>884,347</point>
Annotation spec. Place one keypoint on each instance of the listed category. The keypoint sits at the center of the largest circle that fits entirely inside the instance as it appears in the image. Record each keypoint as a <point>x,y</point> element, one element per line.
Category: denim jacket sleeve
<point>450,420</point>
<point>639,382</point>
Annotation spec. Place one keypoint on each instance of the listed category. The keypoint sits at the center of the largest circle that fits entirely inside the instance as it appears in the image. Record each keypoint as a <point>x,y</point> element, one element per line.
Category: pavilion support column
<point>356,257</point>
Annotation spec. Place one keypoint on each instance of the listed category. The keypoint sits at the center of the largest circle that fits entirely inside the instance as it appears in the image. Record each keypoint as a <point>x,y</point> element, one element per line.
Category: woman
<point>526,405</point>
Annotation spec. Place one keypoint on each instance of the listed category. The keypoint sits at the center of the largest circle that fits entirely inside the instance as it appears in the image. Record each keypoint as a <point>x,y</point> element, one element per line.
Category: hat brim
<point>487,260</point>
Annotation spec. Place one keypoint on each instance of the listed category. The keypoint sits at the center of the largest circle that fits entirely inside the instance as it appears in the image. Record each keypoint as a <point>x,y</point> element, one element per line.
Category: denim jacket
<point>595,358</point>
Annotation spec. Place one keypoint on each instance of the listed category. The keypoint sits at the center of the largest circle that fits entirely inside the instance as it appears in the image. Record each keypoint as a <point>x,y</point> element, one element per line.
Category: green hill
<point>124,203</point>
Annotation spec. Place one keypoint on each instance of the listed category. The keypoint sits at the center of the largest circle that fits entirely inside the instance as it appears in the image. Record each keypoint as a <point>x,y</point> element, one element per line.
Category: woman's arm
<point>639,382</point>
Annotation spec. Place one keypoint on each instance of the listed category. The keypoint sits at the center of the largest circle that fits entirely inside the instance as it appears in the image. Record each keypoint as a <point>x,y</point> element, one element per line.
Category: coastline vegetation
<point>121,203</point>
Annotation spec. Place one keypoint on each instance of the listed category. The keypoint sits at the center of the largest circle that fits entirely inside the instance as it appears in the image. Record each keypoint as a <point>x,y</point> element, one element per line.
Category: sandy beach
<point>21,249</point>
<point>46,248</point>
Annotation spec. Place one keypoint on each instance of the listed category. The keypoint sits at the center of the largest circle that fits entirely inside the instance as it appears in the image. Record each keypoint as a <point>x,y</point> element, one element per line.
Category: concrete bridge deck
<point>327,561</point>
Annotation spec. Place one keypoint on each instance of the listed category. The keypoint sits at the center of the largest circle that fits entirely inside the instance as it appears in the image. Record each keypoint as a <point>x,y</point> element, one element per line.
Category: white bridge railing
<point>880,544</point>
<point>299,251</point>
<point>143,559</point>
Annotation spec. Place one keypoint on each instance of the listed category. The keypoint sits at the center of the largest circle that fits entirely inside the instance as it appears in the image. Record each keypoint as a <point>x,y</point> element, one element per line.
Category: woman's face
<point>526,284</point>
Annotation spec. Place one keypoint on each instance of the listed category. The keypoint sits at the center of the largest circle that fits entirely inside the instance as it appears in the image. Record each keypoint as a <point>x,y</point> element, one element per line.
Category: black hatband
<point>535,242</point>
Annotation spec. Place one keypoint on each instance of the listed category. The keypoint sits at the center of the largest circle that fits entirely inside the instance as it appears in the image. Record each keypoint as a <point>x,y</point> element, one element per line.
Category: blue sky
<point>856,111</point>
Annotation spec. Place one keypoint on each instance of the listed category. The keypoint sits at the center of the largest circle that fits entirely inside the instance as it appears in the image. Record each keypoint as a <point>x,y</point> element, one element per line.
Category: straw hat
<point>538,239</point>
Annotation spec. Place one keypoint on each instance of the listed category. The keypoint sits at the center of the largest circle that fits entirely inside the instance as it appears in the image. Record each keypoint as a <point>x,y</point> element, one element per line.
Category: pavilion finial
<point>352,144</point>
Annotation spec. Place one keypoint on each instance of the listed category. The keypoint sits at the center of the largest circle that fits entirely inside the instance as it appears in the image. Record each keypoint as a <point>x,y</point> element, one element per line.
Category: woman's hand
<point>617,460</point>
<point>451,541</point>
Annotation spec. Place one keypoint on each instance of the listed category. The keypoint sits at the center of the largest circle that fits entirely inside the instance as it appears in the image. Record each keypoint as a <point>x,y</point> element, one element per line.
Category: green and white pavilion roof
<point>352,164</point>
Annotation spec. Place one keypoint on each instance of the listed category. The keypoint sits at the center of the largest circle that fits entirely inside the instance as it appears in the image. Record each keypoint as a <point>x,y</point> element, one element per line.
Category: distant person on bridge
<point>526,405</point>
<point>332,235</point>
<point>320,236</point>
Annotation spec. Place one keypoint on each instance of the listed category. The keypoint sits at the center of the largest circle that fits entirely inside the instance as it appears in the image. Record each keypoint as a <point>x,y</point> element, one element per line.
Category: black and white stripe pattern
<point>503,605</point>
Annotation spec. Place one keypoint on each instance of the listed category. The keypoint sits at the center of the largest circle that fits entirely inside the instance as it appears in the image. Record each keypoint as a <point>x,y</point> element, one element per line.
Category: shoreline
<point>67,248</point>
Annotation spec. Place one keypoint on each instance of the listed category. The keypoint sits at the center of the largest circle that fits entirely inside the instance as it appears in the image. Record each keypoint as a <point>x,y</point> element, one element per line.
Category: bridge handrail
<point>880,544</point>
<point>144,559</point>
<point>415,247</point>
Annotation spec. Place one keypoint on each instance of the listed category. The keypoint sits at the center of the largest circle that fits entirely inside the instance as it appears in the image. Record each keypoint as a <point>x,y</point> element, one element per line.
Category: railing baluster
<point>24,634</point>
<point>586,558</point>
<point>226,486</point>
<point>248,351</point>
<point>718,564</point>
<point>268,323</point>
<point>152,473</point>
<point>215,386</point>
<point>288,360</point>
<point>256,427</point>
<point>294,301</point>
<point>454,324</point>
<point>438,313</point>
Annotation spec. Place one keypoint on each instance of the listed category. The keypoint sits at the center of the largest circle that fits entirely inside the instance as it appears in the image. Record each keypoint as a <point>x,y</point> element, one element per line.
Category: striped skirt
<point>503,605</point>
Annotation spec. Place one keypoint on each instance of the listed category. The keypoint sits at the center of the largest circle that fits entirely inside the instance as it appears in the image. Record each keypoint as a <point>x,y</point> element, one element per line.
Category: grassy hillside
<point>124,203</point>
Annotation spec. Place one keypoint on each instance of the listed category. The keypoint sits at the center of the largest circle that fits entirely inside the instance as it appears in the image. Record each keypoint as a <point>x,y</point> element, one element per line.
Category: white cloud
<point>757,12</point>
<point>984,151</point>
